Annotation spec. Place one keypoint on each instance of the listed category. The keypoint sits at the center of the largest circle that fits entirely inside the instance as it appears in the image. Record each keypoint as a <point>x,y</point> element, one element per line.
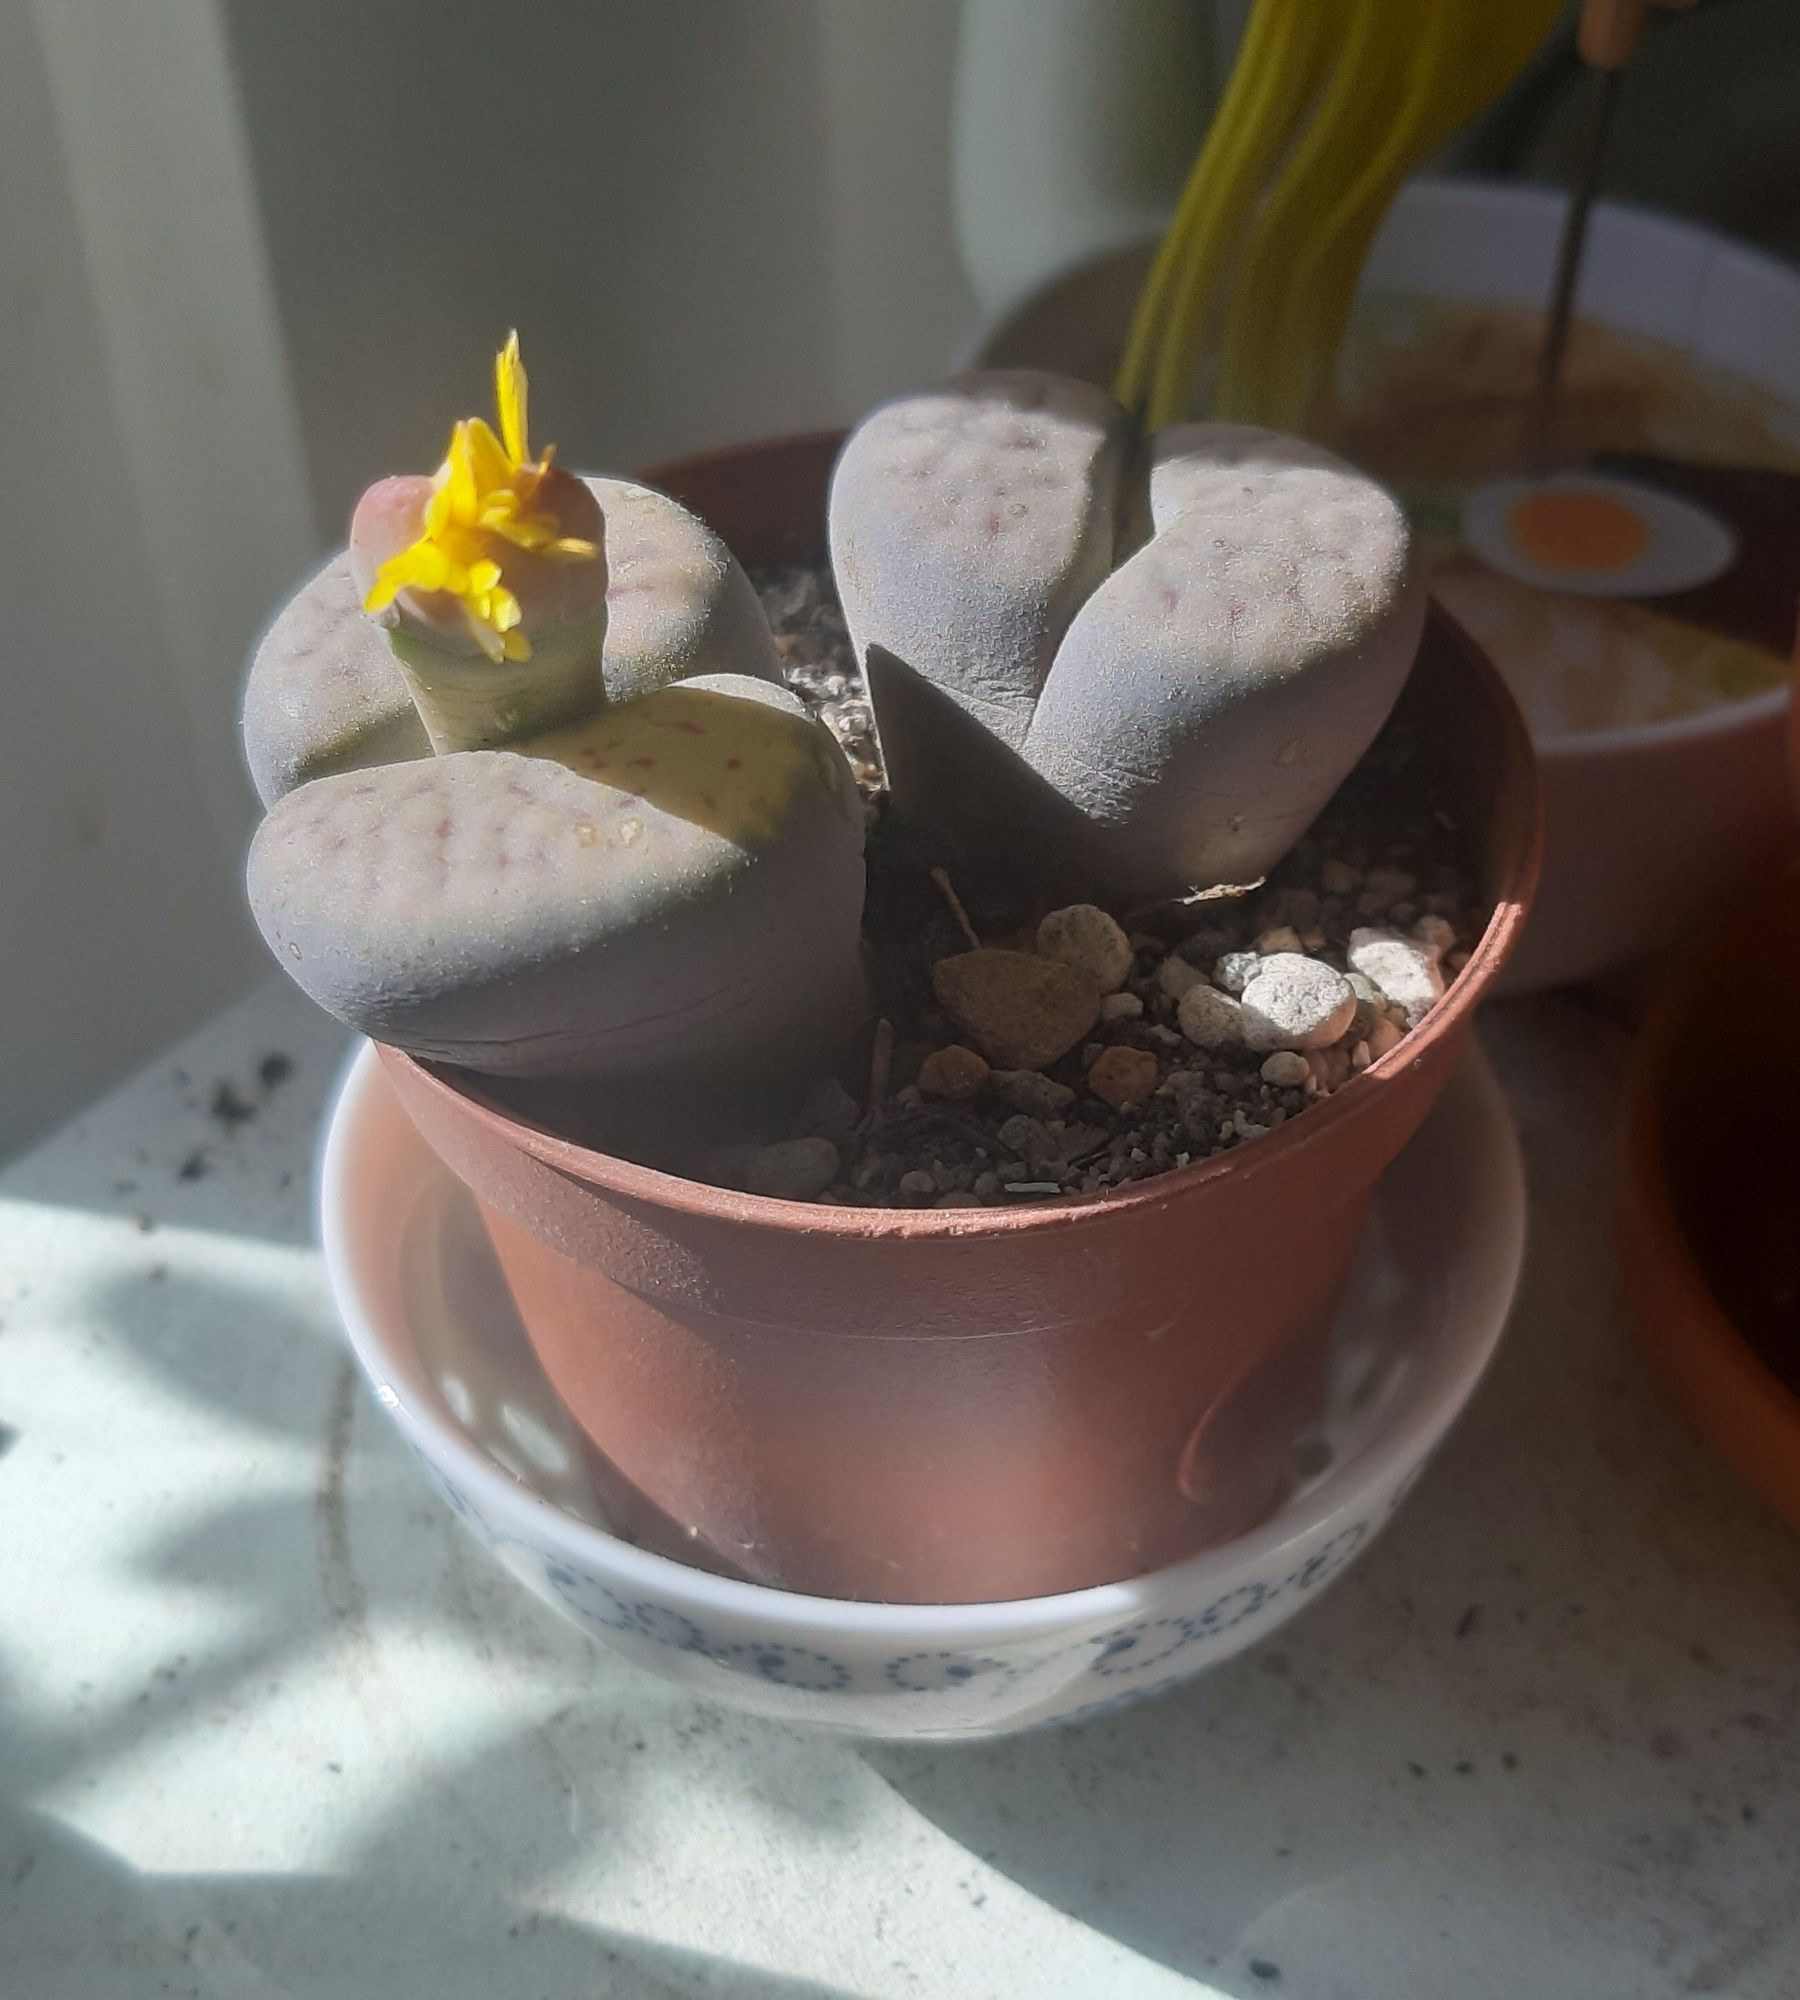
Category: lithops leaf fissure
<point>967,525</point>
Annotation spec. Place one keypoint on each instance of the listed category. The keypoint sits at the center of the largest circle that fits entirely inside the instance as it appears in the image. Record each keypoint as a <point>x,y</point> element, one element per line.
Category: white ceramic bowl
<point>1643,827</point>
<point>431,1324</point>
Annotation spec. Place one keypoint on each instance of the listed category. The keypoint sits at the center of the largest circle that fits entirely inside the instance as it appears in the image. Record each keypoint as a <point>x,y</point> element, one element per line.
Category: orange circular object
<point>1577,533</point>
<point>1709,1218</point>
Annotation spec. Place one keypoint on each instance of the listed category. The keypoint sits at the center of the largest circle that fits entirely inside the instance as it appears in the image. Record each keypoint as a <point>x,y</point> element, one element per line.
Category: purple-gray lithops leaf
<point>1212,694</point>
<point>677,602</point>
<point>671,888</point>
<point>968,523</point>
<point>325,694</point>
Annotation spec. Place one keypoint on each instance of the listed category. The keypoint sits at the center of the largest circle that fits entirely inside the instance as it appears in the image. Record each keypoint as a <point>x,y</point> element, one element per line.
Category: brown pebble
<point>1123,1077</point>
<point>1085,938</point>
<point>918,1183</point>
<point>1020,1011</point>
<point>955,1073</point>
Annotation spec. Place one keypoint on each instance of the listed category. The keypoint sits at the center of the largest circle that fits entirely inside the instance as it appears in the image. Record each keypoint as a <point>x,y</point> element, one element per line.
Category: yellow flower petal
<point>510,391</point>
<point>483,502</point>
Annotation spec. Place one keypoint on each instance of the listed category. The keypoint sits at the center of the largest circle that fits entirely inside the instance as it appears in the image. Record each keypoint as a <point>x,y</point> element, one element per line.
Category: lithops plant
<point>1139,674</point>
<point>326,693</point>
<point>587,859</point>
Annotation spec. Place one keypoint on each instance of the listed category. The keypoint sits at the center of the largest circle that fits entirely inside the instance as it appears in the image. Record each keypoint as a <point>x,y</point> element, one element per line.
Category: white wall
<point>119,921</point>
<point>258,252</point>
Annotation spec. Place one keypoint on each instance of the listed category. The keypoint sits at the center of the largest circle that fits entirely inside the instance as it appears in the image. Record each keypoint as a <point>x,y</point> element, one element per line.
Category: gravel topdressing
<point>1075,1055</point>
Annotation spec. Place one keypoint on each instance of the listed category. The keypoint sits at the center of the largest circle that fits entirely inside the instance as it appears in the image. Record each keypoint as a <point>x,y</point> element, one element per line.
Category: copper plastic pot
<point>957,1405</point>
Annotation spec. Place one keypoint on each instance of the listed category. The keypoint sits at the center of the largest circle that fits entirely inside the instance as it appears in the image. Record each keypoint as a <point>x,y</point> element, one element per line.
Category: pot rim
<point>677,1194</point>
<point>1389,1460</point>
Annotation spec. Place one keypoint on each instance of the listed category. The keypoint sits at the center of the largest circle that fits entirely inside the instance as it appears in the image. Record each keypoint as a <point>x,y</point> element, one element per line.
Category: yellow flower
<point>481,508</point>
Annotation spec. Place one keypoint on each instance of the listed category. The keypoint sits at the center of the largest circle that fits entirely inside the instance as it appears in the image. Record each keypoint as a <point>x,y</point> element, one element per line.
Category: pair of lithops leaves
<point>1129,672</point>
<point>641,863</point>
<point>1133,668</point>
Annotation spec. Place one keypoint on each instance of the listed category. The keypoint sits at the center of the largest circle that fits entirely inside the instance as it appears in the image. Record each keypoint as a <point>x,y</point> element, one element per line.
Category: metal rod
<point>1540,415</point>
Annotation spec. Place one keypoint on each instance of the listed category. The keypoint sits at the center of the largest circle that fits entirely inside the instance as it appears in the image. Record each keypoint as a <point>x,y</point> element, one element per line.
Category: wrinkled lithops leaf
<point>675,883</point>
<point>1213,693</point>
<point>324,692</point>
<point>677,602</point>
<point>967,525</point>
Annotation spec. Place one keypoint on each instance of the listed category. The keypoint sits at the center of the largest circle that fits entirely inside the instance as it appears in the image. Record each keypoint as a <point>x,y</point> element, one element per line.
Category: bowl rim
<point>1395,1452</point>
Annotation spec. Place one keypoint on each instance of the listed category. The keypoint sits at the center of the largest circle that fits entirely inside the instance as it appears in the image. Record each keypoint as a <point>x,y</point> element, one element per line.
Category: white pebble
<point>1235,970</point>
<point>1286,1070</point>
<point>1296,1003</point>
<point>1403,970</point>
<point>1121,1007</point>
<point>1176,976</point>
<point>1085,937</point>
<point>1210,1019</point>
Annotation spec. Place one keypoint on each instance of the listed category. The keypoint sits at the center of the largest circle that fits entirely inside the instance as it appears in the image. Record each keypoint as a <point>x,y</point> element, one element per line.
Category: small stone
<point>1404,971</point>
<point>1369,1004</point>
<point>830,1112</point>
<point>959,1198</point>
<point>1437,936</point>
<point>1361,1056</point>
<point>1032,1092</point>
<point>1286,1070</point>
<point>1314,939</point>
<point>986,1186</point>
<point>917,1183</point>
<point>1338,878</point>
<point>1382,1037</point>
<point>1020,1011</point>
<point>1281,940</point>
<point>909,1097</point>
<point>1296,1003</point>
<point>1329,1068</point>
<point>1175,976</point>
<point>1455,962</point>
<point>1235,970</point>
<point>1164,1038</point>
<point>794,1170</point>
<point>1121,1007</point>
<point>1123,1077</point>
<point>1084,937</point>
<point>1031,1139</point>
<point>1210,1019</point>
<point>956,1073</point>
<point>1392,884</point>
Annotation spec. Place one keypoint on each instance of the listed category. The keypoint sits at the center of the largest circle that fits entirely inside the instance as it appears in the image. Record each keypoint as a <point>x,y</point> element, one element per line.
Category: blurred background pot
<point>945,1406</point>
<point>1643,826</point>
